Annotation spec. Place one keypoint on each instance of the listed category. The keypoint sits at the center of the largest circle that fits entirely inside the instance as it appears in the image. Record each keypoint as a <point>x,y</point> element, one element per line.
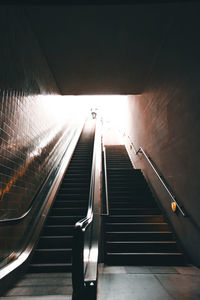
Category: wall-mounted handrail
<point>105,180</point>
<point>86,232</point>
<point>141,150</point>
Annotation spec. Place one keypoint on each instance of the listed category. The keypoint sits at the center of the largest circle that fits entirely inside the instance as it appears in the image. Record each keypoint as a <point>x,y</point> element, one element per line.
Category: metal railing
<point>141,150</point>
<point>86,233</point>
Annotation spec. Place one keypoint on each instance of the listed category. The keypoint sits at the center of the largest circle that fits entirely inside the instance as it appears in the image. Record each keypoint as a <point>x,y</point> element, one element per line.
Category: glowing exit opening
<point>111,108</point>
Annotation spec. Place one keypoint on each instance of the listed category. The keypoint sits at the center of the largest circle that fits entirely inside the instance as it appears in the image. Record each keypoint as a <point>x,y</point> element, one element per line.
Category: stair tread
<point>53,249</point>
<point>146,216</point>
<point>144,253</point>
<point>141,242</point>
<point>136,223</point>
<point>56,236</point>
<point>50,264</point>
<point>138,232</point>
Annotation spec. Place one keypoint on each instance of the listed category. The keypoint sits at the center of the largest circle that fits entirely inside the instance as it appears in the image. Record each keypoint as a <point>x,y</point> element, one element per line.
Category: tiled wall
<point>28,137</point>
<point>34,133</point>
<point>31,130</point>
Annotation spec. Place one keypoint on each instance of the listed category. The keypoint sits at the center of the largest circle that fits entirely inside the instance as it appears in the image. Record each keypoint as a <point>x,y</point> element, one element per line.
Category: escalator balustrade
<point>53,253</point>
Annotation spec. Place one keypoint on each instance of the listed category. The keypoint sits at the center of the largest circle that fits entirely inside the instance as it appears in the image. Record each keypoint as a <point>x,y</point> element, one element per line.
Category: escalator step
<point>47,268</point>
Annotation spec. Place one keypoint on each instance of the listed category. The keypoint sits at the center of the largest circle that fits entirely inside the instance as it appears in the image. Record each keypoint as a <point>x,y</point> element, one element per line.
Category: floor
<point>152,283</point>
<point>44,286</point>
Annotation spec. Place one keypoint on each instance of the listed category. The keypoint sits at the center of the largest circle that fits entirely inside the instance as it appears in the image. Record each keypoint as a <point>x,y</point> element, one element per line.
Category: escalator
<point>53,253</point>
<point>136,233</point>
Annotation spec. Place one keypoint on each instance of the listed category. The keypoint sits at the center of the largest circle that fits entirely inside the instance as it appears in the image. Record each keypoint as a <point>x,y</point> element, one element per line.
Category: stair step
<point>68,211</point>
<point>139,236</point>
<point>141,246</point>
<point>137,226</point>
<point>55,241</point>
<point>71,204</point>
<point>63,220</point>
<point>71,191</point>
<point>52,255</point>
<point>75,184</point>
<point>47,268</point>
<point>145,259</point>
<point>133,211</point>
<point>133,204</point>
<point>135,219</point>
<point>75,196</point>
<point>58,230</point>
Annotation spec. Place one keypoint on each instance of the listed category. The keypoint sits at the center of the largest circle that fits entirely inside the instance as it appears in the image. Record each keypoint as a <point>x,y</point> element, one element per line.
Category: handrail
<point>20,218</point>
<point>86,232</point>
<point>141,150</point>
<point>105,180</point>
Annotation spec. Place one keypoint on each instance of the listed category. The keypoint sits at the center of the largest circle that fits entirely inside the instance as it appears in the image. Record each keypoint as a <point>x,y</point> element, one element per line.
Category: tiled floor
<point>152,283</point>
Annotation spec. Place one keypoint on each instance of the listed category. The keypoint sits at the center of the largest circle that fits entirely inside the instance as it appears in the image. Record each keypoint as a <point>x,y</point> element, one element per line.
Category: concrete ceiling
<point>102,49</point>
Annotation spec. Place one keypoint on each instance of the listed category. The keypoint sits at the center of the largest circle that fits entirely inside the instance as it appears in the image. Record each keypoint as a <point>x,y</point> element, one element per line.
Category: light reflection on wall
<point>30,128</point>
<point>31,133</point>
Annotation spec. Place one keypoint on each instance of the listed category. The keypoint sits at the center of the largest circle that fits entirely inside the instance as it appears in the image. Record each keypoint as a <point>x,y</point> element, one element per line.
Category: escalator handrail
<point>84,222</point>
<point>82,275</point>
<point>32,204</point>
<point>141,151</point>
<point>105,180</point>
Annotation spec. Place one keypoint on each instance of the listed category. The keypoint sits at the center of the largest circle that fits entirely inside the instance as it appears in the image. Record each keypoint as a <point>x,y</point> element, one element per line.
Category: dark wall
<point>23,66</point>
<point>165,121</point>
<point>101,49</point>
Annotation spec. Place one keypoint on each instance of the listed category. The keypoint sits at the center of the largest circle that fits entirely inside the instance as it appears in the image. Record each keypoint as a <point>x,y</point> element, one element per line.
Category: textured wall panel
<point>31,142</point>
<point>30,138</point>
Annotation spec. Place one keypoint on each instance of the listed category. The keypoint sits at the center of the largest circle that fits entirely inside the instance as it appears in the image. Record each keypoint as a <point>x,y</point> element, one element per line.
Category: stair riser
<point>133,204</point>
<point>51,257</point>
<point>137,247</point>
<point>74,190</point>
<point>57,242</point>
<point>70,204</point>
<point>135,219</point>
<point>49,231</point>
<point>142,260</point>
<point>63,220</point>
<point>67,212</point>
<point>135,211</point>
<point>137,227</point>
<point>138,236</point>
<point>50,269</point>
<point>76,197</point>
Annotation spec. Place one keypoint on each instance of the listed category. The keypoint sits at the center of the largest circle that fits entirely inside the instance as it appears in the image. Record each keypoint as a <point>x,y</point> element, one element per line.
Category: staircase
<point>135,231</point>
